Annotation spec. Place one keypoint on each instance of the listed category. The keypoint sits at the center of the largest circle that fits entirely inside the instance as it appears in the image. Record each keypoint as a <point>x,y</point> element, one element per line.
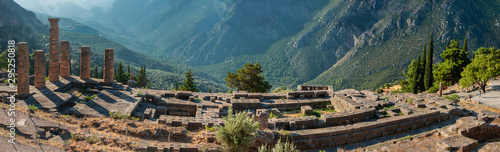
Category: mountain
<point>163,74</point>
<point>16,23</point>
<point>348,44</point>
<point>22,25</point>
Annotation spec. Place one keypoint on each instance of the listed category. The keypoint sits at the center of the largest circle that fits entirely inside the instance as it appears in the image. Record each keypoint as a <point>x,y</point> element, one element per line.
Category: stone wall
<point>191,123</point>
<point>339,135</point>
<point>308,88</point>
<point>294,123</point>
<point>350,117</point>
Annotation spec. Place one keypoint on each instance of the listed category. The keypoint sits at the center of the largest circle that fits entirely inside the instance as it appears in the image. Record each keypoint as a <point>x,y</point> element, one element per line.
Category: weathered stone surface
<point>23,83</point>
<point>85,63</point>
<point>108,101</point>
<point>109,65</point>
<point>306,110</point>
<point>45,99</point>
<point>65,63</point>
<point>39,69</point>
<point>457,143</point>
<point>54,50</point>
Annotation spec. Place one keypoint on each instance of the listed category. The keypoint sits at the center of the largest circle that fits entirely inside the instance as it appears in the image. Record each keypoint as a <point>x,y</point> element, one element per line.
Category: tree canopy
<point>454,61</point>
<point>484,66</point>
<point>248,79</point>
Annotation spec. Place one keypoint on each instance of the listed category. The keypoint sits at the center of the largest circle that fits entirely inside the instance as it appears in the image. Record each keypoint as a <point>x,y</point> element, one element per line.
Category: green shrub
<point>76,137</point>
<point>33,107</point>
<point>452,97</point>
<point>91,140</point>
<point>209,129</point>
<point>271,115</point>
<point>66,116</point>
<point>118,115</point>
<point>379,91</point>
<point>411,101</point>
<point>88,98</point>
<point>433,90</point>
<point>237,132</point>
<point>390,107</point>
<point>279,147</point>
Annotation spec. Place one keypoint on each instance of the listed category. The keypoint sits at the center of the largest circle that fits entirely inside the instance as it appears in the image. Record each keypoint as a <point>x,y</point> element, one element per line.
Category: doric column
<point>23,64</point>
<point>85,63</point>
<point>64,59</point>
<point>39,69</point>
<point>54,50</point>
<point>109,65</point>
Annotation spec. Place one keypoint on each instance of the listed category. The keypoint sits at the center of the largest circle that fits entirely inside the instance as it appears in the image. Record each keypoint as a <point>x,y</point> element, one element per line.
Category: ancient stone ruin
<point>315,116</point>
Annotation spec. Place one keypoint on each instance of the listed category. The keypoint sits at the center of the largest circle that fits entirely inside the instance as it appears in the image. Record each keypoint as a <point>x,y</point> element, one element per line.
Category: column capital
<point>53,20</point>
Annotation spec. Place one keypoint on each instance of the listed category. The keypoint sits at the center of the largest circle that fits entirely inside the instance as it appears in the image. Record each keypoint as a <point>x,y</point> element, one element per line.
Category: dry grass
<point>477,107</point>
<point>392,88</point>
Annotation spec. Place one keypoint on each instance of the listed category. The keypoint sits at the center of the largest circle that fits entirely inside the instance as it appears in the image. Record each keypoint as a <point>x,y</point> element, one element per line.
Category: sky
<point>56,7</point>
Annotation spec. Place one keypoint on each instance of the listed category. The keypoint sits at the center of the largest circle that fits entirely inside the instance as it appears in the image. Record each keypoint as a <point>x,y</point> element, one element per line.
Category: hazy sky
<point>53,7</point>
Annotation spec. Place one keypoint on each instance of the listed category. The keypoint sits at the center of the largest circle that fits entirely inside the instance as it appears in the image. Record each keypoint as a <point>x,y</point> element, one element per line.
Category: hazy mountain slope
<point>20,25</point>
<point>383,52</point>
<point>157,26</point>
<point>163,74</point>
<point>349,44</point>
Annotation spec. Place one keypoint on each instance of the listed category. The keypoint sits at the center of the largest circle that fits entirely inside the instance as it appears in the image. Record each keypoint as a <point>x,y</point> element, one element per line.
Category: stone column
<point>85,63</point>
<point>39,69</point>
<point>109,65</point>
<point>23,64</point>
<point>64,59</point>
<point>440,89</point>
<point>54,50</point>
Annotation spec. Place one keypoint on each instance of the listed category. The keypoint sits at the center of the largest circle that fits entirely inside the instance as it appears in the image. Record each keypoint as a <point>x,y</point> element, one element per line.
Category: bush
<point>76,137</point>
<point>379,91</point>
<point>411,101</point>
<point>88,98</point>
<point>237,132</point>
<point>433,90</point>
<point>91,140</point>
<point>279,147</point>
<point>452,97</point>
<point>118,115</point>
<point>271,115</point>
<point>33,107</point>
<point>209,129</point>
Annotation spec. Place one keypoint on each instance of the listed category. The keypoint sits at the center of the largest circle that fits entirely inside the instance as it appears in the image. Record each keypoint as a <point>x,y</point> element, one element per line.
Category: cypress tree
<point>415,86</point>
<point>429,79</point>
<point>96,75</point>
<point>128,68</point>
<point>422,73</point>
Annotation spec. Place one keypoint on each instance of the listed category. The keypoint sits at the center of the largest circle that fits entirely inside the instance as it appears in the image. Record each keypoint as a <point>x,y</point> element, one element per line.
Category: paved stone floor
<point>107,101</point>
<point>492,96</point>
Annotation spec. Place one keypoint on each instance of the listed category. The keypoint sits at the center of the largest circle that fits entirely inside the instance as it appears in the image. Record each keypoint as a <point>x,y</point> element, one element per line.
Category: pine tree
<point>248,79</point>
<point>189,82</point>
<point>429,79</point>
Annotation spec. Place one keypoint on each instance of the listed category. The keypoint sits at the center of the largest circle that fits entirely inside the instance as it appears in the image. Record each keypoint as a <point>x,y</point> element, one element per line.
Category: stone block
<point>457,143</point>
<point>307,110</point>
